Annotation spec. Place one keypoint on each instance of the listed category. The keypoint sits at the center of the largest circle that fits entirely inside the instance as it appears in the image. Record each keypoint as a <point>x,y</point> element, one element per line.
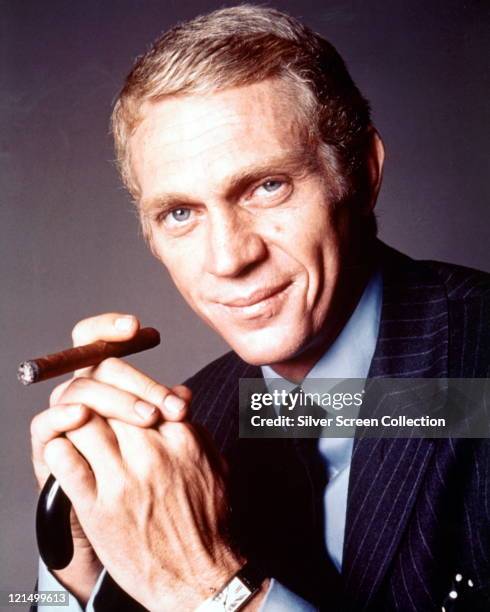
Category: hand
<point>64,415</point>
<point>153,504</point>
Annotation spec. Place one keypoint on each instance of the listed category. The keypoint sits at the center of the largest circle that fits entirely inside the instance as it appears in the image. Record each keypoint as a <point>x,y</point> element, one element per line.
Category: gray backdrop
<point>70,242</point>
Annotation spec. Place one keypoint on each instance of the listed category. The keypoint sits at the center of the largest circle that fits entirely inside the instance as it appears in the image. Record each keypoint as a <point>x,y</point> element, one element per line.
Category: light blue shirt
<point>348,357</point>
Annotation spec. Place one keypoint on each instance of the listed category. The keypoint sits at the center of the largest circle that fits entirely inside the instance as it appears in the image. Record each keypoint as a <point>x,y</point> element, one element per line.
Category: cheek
<point>185,276</point>
<point>311,242</point>
<point>182,266</point>
<point>309,214</point>
<point>305,237</point>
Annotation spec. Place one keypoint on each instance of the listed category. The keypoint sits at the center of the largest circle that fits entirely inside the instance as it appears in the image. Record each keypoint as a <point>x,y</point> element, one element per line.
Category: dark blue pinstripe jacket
<point>418,510</point>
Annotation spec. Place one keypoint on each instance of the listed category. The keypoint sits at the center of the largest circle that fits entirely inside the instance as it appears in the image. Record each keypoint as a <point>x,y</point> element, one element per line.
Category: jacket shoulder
<point>468,300</point>
<point>460,282</point>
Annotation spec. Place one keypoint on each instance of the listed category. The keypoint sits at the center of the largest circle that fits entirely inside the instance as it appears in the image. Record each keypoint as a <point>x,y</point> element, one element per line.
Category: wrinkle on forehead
<point>199,125</point>
<point>273,95</point>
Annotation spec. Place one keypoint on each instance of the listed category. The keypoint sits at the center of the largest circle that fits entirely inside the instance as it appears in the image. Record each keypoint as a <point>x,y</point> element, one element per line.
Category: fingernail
<point>173,404</point>
<point>123,323</point>
<point>144,410</point>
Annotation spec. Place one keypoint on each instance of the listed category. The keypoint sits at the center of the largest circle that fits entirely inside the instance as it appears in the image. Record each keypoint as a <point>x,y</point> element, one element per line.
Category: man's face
<point>240,214</point>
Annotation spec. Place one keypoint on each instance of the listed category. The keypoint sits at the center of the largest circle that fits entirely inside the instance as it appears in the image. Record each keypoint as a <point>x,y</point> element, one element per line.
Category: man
<point>255,168</point>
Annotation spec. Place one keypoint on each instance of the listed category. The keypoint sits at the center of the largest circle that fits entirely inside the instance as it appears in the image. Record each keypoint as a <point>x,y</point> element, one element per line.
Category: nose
<point>233,244</point>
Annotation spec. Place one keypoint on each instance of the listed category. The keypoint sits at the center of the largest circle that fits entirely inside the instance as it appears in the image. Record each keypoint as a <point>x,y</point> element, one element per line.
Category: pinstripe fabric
<point>418,510</point>
<point>386,474</point>
<point>402,546</point>
<point>410,523</point>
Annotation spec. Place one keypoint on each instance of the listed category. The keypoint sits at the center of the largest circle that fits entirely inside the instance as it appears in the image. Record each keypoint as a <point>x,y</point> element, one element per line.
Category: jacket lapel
<point>386,474</point>
<point>215,402</point>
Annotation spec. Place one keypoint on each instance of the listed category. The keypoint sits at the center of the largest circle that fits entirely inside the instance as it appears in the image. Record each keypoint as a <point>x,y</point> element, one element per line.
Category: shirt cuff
<point>280,599</point>
<point>47,582</point>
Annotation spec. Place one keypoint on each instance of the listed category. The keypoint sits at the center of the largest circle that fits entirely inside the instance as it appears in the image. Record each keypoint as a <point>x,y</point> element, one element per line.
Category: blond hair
<point>240,46</point>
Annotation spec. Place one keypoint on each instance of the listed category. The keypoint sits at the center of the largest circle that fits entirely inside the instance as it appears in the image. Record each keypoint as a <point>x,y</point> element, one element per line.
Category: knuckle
<point>57,392</point>
<point>112,366</point>
<point>148,460</point>
<point>85,329</point>
<point>81,383</point>
<point>179,438</point>
<point>154,457</point>
<point>77,331</point>
<point>53,396</point>
<point>154,391</point>
<point>53,448</point>
<point>74,391</point>
<point>83,476</point>
<point>35,426</point>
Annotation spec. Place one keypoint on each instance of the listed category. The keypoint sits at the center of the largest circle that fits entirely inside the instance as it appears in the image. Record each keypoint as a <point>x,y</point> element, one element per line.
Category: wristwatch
<point>235,593</point>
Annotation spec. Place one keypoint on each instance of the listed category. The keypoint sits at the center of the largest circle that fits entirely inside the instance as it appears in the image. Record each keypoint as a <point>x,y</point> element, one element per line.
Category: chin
<point>263,349</point>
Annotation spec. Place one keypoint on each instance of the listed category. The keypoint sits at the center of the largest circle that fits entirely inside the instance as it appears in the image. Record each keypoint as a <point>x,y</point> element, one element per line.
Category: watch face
<point>233,595</point>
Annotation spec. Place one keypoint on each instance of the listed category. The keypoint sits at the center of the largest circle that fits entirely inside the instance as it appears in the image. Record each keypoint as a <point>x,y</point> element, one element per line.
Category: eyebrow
<point>296,163</point>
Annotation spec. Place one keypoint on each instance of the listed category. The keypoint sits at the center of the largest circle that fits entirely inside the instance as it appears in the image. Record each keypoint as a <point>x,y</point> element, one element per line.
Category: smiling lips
<point>258,303</point>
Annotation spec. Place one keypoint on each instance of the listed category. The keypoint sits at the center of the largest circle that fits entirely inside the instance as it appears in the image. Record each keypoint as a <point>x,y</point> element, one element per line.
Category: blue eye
<point>271,192</point>
<point>181,214</point>
<point>271,186</point>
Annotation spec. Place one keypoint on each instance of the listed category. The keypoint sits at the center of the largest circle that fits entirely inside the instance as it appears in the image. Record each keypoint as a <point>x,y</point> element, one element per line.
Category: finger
<point>111,326</point>
<point>57,392</point>
<point>97,443</point>
<point>72,472</point>
<point>142,451</point>
<point>183,392</point>
<point>50,424</point>
<point>110,402</point>
<point>172,403</point>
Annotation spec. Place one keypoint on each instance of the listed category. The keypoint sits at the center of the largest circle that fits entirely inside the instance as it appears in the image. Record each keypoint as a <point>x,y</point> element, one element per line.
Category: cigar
<point>56,364</point>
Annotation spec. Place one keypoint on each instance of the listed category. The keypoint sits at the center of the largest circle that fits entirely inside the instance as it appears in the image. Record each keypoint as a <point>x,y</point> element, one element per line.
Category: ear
<point>374,167</point>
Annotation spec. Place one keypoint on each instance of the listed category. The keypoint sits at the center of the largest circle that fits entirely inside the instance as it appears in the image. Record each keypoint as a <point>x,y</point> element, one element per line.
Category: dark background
<point>70,244</point>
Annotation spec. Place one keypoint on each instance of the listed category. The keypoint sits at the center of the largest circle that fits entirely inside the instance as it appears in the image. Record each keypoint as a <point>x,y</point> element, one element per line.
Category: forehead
<point>183,139</point>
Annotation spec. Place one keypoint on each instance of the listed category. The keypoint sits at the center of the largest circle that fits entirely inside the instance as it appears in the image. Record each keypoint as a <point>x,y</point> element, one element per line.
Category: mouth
<point>260,303</point>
